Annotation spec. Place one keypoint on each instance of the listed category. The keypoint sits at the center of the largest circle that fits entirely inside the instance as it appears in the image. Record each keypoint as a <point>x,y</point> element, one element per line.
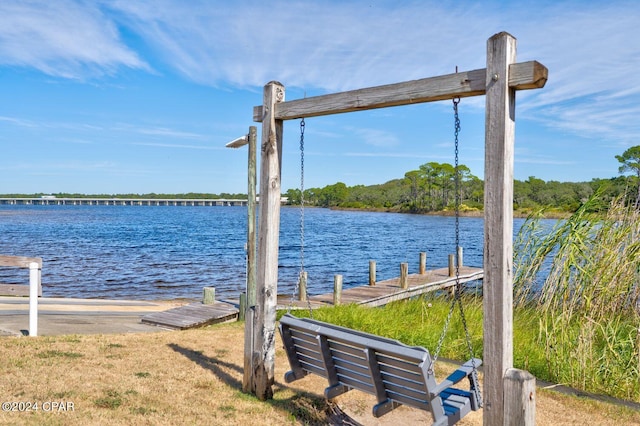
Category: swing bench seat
<point>394,373</point>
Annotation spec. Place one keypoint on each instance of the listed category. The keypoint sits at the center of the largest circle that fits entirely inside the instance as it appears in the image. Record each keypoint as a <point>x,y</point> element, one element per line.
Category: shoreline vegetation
<point>576,300</point>
<point>417,194</point>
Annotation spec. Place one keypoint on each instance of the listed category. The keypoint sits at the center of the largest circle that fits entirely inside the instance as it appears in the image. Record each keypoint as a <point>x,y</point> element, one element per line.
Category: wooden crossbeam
<point>522,76</point>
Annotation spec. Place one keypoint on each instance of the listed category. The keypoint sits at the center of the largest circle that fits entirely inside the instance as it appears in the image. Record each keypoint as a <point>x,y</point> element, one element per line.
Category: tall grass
<point>417,322</point>
<point>589,301</point>
<point>579,326</point>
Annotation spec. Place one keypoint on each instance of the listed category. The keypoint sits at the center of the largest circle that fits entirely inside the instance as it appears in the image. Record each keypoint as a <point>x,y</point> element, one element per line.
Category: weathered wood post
<point>498,225</point>
<point>208,295</point>
<point>404,272</point>
<point>423,263</point>
<point>302,291</point>
<point>337,289</point>
<point>452,266</point>
<point>251,217</point>
<point>242,309</point>
<point>269,229</point>
<point>520,397</point>
<point>372,272</point>
<point>459,257</point>
<point>250,306</point>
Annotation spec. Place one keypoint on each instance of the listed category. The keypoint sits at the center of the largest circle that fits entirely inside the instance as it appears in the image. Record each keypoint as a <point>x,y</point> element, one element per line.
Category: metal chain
<point>447,320</point>
<point>296,289</point>
<point>458,288</point>
<point>302,125</point>
<point>457,300</point>
<point>302,221</point>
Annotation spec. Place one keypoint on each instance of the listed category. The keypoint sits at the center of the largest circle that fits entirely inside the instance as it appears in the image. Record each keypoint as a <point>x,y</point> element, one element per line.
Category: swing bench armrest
<point>463,371</point>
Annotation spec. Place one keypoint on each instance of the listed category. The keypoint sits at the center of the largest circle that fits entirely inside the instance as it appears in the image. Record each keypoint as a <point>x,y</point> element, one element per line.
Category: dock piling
<point>372,272</point>
<point>302,291</point>
<point>337,289</point>
<point>404,273</point>
<point>209,295</point>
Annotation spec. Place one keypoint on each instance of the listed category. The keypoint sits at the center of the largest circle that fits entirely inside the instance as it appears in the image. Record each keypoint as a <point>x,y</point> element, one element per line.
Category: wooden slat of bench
<point>413,393</point>
<point>409,402</point>
<point>400,364</point>
<point>393,372</point>
<point>312,368</point>
<point>349,368</point>
<point>347,335</point>
<point>357,351</point>
<point>407,375</point>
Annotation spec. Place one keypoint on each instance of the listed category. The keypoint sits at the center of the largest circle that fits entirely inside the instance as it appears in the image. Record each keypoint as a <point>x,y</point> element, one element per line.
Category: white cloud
<point>590,48</point>
<point>62,38</point>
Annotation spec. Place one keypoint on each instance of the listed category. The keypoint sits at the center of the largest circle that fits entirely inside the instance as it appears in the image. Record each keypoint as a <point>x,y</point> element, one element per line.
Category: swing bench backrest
<point>393,372</point>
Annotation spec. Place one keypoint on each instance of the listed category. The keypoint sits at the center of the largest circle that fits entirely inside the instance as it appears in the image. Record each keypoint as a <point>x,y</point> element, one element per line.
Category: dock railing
<point>34,290</point>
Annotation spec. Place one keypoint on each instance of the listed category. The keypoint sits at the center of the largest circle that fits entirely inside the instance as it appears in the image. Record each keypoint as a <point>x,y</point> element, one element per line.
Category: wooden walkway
<point>198,314</point>
<point>192,315</point>
<point>388,291</point>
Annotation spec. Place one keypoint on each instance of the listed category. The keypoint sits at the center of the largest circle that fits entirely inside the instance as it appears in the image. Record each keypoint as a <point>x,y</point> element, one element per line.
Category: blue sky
<point>141,96</point>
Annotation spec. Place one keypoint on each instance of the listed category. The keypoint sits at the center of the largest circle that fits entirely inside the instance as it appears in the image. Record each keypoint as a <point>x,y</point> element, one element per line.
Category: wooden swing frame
<point>508,393</point>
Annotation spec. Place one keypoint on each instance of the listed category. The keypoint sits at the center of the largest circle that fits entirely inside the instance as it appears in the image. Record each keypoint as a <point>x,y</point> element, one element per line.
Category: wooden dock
<point>192,315</point>
<point>388,291</point>
<point>199,315</point>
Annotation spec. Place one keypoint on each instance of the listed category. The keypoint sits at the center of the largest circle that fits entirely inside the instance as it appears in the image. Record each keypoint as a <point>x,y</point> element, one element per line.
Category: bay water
<point>172,252</point>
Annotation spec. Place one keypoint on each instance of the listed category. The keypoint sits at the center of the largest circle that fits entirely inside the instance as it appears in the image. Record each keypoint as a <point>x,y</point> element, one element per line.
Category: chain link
<point>458,288</point>
<point>302,243</point>
<point>457,300</point>
<point>296,289</point>
<point>302,126</point>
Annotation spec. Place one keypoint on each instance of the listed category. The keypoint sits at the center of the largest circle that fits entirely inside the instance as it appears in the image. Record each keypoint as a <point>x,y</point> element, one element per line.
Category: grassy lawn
<point>195,377</point>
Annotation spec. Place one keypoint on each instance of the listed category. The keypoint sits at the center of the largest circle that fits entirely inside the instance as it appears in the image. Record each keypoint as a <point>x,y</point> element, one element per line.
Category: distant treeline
<point>432,188</point>
<point>152,196</point>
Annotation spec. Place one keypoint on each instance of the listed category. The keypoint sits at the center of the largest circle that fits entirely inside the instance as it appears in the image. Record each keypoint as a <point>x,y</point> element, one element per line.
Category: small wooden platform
<point>192,315</point>
<point>388,291</point>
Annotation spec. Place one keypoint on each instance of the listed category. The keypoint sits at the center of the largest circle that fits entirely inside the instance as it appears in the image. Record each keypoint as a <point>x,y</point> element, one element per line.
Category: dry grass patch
<point>194,377</point>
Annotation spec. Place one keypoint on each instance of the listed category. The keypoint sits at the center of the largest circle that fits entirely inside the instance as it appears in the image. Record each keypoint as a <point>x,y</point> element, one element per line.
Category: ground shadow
<point>306,407</point>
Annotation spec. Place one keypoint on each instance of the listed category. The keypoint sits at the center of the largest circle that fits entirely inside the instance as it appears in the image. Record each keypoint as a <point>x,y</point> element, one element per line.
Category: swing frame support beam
<point>498,81</point>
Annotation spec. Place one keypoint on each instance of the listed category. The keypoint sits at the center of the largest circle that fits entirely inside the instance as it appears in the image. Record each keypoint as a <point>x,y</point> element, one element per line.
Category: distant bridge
<point>53,201</point>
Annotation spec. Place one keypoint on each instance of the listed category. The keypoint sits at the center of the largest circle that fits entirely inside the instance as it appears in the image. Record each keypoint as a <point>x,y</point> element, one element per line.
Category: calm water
<point>146,252</point>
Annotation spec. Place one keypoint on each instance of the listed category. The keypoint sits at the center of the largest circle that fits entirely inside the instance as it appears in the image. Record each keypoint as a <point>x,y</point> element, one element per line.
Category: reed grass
<point>579,326</point>
<point>588,304</point>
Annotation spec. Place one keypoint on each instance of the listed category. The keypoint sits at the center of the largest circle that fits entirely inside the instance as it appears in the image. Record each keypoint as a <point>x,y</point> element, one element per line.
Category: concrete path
<point>58,316</point>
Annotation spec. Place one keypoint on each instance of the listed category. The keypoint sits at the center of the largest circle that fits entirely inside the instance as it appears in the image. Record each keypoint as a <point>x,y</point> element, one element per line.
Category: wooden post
<point>249,314</point>
<point>250,355</point>
<point>269,230</point>
<point>520,397</point>
<point>209,295</point>
<point>302,292</point>
<point>498,82</point>
<point>404,272</point>
<point>337,289</point>
<point>459,257</point>
<point>498,225</point>
<point>372,272</point>
<point>423,263</point>
<point>242,308</point>
<point>452,266</point>
<point>251,219</point>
